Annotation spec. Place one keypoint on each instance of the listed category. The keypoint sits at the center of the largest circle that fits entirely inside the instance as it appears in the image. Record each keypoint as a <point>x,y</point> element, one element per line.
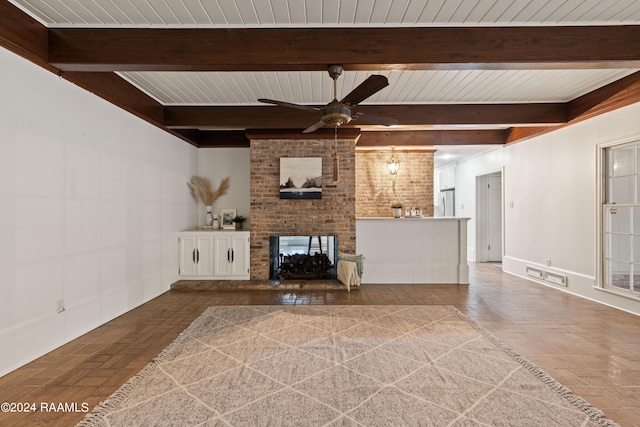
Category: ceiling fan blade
<point>289,105</point>
<point>314,127</point>
<point>367,88</point>
<point>376,119</point>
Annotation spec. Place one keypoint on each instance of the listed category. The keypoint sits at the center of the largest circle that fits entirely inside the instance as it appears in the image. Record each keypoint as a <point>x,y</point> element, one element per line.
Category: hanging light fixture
<point>393,164</point>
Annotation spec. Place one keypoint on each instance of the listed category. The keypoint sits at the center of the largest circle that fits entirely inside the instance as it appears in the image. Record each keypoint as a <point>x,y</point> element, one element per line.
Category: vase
<point>216,223</point>
<point>209,219</point>
<point>397,212</point>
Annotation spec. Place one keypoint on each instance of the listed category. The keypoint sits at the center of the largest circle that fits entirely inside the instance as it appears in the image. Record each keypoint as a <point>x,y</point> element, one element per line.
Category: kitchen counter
<point>413,250</point>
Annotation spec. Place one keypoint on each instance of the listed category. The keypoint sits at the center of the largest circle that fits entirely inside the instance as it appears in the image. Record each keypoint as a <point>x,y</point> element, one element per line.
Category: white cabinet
<point>447,179</point>
<point>213,255</point>
<point>231,254</point>
<point>196,255</point>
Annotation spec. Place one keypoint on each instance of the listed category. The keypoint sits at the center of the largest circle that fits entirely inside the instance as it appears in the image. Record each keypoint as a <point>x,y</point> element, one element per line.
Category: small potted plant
<point>397,210</point>
<point>239,220</point>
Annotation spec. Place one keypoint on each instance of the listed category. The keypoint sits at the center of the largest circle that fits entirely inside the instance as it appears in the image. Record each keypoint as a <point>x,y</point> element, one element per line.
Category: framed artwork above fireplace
<point>301,177</point>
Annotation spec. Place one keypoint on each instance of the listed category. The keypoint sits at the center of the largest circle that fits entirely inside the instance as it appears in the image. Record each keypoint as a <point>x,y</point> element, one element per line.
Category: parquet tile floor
<point>590,348</point>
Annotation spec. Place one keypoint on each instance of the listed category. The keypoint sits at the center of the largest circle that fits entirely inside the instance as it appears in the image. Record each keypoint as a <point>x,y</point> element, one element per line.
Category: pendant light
<point>393,164</point>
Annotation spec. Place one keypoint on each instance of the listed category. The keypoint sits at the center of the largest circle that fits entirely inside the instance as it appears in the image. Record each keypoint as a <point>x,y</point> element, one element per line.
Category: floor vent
<point>558,279</point>
<point>547,276</point>
<point>535,272</point>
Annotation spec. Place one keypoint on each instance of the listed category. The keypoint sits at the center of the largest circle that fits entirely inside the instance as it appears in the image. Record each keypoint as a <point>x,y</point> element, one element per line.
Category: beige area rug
<point>341,366</point>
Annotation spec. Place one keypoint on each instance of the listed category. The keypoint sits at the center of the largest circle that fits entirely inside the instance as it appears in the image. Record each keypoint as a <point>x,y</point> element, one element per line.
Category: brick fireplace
<point>333,215</point>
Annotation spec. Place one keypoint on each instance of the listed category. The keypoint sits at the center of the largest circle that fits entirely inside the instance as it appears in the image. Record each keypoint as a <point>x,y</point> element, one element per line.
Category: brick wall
<point>376,189</point>
<point>334,214</point>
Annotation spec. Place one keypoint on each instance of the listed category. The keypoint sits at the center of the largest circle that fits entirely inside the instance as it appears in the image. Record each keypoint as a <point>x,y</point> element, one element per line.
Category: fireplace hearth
<point>303,257</point>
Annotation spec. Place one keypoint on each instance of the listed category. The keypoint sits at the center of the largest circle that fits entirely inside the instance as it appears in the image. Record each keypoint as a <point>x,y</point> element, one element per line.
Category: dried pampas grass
<point>201,188</point>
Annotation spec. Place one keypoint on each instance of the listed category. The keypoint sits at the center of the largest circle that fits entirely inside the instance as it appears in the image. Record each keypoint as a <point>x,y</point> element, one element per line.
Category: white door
<point>239,255</point>
<point>204,256</point>
<point>222,259</point>
<point>188,265</point>
<point>494,217</point>
<point>489,217</point>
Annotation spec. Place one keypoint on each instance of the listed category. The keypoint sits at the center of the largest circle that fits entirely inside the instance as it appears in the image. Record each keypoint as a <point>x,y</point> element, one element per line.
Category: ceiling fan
<point>337,113</point>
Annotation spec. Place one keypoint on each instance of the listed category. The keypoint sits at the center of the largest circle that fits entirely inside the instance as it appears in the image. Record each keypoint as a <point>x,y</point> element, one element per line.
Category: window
<point>621,218</point>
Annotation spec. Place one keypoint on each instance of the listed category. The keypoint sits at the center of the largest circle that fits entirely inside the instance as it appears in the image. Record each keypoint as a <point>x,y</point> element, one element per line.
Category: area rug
<point>335,366</point>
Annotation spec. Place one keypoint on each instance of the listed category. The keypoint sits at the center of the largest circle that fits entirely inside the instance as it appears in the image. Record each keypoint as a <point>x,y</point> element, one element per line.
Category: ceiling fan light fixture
<point>336,114</point>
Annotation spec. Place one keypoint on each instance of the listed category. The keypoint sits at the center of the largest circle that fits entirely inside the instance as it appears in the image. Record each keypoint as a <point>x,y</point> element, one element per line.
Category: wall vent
<point>547,276</point>
<point>558,279</point>
<point>534,272</point>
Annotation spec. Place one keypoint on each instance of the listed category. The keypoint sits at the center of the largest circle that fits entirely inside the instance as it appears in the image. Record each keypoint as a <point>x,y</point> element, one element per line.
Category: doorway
<point>489,208</point>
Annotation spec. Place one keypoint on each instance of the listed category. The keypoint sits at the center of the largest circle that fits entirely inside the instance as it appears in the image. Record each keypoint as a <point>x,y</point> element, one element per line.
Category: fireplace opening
<point>303,257</point>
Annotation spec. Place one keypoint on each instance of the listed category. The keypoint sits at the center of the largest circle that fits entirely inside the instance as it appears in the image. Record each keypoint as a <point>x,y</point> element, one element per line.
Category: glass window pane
<point>636,220</point>
<point>636,249</point>
<point>622,161</point>
<point>619,220</point>
<point>621,190</point>
<point>621,243</point>
<point>619,274</point>
<point>620,247</point>
<point>636,278</point>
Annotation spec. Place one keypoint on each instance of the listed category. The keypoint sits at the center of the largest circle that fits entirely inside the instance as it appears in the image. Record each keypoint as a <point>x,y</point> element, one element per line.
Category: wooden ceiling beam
<point>217,139</point>
<point>23,35</point>
<point>118,91</point>
<point>432,137</point>
<point>269,117</point>
<point>288,49</point>
<point>618,94</point>
<point>296,134</point>
<point>519,134</point>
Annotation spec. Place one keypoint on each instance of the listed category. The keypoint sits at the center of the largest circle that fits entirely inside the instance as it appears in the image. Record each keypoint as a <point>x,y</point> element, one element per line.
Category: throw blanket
<point>348,274</point>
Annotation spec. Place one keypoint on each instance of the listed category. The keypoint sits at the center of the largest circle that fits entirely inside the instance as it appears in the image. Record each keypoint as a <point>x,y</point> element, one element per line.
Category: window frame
<point>602,189</point>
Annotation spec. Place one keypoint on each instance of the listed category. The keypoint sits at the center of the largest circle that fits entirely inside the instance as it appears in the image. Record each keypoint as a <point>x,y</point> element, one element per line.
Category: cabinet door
<point>204,256</point>
<point>222,258</point>
<point>188,265</point>
<point>239,255</point>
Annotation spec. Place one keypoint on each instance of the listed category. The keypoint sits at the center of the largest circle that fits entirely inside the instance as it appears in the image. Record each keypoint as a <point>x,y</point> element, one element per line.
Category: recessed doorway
<point>489,209</point>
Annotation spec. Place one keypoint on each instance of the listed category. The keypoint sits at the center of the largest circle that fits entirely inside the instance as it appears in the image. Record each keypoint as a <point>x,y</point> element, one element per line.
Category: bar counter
<point>413,250</point>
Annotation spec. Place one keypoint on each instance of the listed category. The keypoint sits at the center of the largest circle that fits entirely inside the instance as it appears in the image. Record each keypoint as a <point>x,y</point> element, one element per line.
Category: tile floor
<point>591,348</point>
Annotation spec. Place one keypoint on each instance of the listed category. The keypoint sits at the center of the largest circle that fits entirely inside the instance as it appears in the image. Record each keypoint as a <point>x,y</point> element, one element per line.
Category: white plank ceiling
<point>412,87</point>
<point>296,13</point>
<point>405,87</point>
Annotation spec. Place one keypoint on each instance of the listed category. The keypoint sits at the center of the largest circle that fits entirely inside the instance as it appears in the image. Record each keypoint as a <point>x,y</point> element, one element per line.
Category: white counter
<point>413,250</point>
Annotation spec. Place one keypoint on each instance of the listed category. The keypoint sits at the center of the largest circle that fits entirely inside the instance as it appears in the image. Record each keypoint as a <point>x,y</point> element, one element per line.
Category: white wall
<point>91,198</point>
<point>552,182</point>
<point>219,163</point>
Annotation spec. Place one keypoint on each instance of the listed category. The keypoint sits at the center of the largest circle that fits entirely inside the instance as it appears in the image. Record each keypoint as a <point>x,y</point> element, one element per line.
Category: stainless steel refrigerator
<point>448,202</point>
